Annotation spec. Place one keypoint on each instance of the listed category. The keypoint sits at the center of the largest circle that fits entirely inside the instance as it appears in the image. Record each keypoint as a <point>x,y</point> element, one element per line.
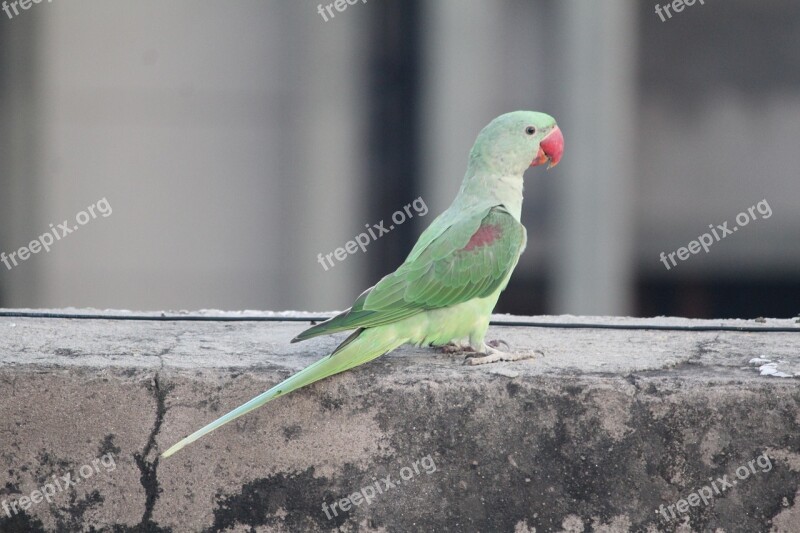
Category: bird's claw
<point>496,344</point>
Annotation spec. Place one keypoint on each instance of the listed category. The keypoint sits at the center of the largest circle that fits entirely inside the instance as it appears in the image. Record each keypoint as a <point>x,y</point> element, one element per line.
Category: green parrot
<point>446,289</point>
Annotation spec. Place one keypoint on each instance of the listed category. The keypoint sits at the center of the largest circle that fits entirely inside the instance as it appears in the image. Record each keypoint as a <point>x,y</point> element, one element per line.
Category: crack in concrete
<point>703,347</point>
<point>149,469</point>
<point>168,349</point>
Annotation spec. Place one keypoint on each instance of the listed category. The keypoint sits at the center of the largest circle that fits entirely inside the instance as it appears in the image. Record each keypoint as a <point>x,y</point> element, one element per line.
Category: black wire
<point>509,323</point>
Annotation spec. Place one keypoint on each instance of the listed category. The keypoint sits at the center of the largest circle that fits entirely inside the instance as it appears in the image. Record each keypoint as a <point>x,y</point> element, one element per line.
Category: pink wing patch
<point>485,236</point>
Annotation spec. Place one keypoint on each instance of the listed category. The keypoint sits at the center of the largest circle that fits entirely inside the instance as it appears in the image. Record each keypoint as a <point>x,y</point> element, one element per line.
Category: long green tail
<point>359,348</point>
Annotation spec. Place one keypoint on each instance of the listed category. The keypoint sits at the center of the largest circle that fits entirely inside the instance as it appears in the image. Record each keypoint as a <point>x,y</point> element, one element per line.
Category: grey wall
<point>225,138</point>
<point>718,132</point>
<point>232,142</point>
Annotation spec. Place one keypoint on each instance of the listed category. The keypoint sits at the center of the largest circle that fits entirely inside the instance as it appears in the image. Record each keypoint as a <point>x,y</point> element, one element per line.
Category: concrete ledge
<point>596,435</point>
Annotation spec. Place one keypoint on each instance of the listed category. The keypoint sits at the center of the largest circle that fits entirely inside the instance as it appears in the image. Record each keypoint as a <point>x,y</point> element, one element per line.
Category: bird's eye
<point>530,130</point>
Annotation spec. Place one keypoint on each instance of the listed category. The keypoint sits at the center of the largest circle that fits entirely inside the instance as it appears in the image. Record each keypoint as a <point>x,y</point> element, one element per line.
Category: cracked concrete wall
<point>595,435</point>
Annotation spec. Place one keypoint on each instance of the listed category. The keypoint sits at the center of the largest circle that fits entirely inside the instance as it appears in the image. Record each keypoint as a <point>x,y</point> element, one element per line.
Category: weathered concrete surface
<point>595,435</point>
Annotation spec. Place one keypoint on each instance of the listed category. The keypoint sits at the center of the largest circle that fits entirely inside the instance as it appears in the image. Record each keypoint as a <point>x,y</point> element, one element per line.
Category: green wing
<point>469,259</point>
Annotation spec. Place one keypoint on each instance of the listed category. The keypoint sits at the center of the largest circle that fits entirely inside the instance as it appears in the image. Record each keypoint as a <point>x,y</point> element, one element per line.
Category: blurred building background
<point>236,141</point>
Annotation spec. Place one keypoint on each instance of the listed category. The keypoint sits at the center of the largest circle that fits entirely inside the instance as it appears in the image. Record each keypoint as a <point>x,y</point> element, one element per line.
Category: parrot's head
<point>518,140</point>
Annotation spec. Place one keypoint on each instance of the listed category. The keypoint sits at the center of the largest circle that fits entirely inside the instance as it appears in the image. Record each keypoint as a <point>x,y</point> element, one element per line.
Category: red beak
<point>550,149</point>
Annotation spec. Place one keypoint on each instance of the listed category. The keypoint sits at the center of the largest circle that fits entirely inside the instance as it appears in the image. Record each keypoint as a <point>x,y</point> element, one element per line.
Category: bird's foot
<point>493,356</point>
<point>454,348</point>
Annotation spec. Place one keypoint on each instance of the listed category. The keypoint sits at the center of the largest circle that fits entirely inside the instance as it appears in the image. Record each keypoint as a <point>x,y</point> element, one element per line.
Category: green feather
<point>435,276</point>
